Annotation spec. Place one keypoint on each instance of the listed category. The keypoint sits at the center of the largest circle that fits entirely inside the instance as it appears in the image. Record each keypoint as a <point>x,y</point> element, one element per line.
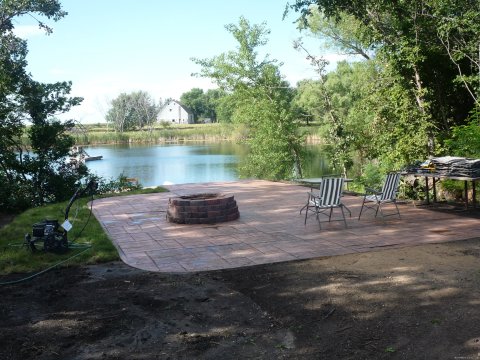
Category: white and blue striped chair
<point>328,198</point>
<point>388,194</point>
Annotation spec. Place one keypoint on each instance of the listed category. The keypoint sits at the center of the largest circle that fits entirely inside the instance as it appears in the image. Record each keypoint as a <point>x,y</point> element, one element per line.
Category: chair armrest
<point>311,193</point>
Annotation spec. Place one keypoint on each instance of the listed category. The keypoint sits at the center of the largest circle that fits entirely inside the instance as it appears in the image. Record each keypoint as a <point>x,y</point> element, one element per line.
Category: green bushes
<point>40,175</point>
<point>119,185</point>
<point>465,139</point>
<point>464,142</point>
<point>371,176</point>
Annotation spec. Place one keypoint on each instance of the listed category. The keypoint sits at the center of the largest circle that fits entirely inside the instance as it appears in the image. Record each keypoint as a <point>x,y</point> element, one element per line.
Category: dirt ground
<point>411,303</point>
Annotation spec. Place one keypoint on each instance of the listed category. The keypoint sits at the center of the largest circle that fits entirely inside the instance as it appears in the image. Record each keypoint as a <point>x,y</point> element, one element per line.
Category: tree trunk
<point>297,167</point>
<point>422,106</point>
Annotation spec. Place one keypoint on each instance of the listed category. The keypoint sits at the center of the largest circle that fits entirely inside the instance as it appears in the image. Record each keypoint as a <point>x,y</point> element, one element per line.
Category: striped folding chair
<point>328,198</point>
<point>375,199</point>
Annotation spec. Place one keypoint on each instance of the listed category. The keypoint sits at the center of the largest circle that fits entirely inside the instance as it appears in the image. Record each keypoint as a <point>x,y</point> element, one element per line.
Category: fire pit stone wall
<point>202,209</point>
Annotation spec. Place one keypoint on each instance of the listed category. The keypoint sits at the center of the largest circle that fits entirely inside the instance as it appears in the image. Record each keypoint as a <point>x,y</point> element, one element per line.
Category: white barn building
<point>175,112</point>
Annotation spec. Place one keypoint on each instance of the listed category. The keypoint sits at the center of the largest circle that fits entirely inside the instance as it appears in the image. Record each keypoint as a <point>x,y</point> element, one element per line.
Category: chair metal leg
<point>306,211</point>
<point>305,206</point>
<point>378,207</point>
<point>343,213</point>
<point>382,213</point>
<point>302,208</point>
<point>398,211</point>
<point>318,218</point>
<point>361,209</point>
<point>349,212</point>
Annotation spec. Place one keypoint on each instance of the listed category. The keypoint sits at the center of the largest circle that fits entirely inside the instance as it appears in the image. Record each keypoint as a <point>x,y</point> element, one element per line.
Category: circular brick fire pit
<point>202,209</point>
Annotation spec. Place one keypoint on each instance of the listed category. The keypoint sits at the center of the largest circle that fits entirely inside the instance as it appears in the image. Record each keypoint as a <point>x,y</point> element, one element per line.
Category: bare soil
<point>411,303</point>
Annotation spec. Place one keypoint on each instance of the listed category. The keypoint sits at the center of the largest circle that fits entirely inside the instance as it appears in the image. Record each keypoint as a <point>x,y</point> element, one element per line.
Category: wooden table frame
<point>314,182</point>
<point>435,177</point>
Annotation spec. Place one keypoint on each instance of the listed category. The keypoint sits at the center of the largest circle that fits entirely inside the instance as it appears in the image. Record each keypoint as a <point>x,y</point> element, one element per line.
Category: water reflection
<point>315,163</point>
<point>155,165</point>
<point>161,164</point>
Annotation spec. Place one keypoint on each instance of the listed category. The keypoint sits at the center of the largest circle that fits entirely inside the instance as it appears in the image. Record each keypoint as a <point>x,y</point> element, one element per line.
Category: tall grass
<point>196,132</point>
<point>105,134</point>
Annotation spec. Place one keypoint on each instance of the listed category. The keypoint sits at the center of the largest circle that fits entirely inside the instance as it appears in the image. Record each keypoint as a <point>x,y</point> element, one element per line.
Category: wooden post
<point>466,194</point>
<point>474,195</point>
<point>427,190</point>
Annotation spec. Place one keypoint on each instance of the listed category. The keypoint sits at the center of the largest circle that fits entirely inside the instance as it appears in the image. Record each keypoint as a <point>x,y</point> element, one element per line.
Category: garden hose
<point>71,244</point>
<point>86,222</point>
<point>44,271</point>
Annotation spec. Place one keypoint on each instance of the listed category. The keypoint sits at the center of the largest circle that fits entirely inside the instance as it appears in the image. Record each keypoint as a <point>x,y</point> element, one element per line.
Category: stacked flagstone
<point>456,166</point>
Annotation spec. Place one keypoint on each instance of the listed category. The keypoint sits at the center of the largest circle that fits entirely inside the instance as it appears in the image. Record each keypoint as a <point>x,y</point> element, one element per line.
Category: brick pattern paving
<point>270,229</point>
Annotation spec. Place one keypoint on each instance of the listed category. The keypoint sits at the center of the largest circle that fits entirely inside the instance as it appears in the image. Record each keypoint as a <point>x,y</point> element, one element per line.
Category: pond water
<point>165,164</point>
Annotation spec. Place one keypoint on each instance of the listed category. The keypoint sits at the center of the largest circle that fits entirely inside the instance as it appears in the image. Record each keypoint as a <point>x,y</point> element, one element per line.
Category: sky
<point>106,47</point>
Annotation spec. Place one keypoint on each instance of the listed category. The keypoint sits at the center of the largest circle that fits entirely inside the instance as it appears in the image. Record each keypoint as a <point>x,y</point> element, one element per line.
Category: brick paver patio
<point>270,229</point>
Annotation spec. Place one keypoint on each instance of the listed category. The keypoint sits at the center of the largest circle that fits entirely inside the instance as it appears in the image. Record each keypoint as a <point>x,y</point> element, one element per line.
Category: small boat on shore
<point>80,156</point>
<point>93,158</point>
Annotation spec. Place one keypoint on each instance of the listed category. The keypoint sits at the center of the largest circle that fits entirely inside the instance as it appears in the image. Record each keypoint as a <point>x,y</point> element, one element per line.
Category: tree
<point>203,104</point>
<point>364,115</point>
<point>344,33</point>
<point>459,35</point>
<point>213,97</point>
<point>39,175</point>
<point>195,101</point>
<point>145,110</point>
<point>465,139</point>
<point>263,103</point>
<point>225,108</point>
<point>405,39</point>
<point>335,132</point>
<point>132,111</point>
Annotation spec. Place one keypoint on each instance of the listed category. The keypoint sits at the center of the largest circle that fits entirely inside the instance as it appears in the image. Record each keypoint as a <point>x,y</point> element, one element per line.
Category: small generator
<point>50,232</point>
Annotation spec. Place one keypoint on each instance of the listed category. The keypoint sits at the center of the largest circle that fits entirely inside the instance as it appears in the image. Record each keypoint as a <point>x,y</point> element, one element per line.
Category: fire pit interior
<point>206,208</point>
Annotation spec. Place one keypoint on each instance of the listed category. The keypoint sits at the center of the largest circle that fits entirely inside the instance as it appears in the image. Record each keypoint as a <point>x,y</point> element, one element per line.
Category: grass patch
<point>17,258</point>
